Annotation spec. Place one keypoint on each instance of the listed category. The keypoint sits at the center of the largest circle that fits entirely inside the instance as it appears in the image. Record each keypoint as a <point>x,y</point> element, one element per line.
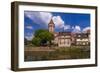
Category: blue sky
<point>73,22</point>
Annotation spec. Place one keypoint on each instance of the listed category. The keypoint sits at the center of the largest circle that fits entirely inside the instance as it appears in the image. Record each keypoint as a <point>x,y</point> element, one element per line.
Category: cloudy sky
<point>72,22</point>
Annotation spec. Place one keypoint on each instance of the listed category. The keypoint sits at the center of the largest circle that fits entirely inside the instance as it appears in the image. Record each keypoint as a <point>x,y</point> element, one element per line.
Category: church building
<point>61,39</point>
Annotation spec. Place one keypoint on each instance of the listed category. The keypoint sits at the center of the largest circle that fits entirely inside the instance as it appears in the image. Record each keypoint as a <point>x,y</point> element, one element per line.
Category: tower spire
<point>51,26</point>
<point>51,22</point>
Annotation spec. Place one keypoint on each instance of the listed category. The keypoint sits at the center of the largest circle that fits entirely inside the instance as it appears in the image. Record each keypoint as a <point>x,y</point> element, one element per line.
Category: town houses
<point>66,39</point>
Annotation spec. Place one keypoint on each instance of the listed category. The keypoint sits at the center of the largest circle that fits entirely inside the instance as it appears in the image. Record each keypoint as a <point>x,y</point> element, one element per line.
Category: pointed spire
<point>51,22</point>
<point>51,26</point>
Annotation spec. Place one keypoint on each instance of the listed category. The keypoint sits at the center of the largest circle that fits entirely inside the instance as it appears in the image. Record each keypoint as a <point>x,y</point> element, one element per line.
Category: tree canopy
<point>42,37</point>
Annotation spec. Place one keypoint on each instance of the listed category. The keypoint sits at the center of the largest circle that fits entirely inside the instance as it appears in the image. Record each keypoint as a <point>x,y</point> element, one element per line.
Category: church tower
<point>51,26</point>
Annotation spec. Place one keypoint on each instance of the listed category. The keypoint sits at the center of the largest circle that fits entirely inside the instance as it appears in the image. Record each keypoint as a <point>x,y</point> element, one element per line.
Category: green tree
<point>36,41</point>
<point>42,37</point>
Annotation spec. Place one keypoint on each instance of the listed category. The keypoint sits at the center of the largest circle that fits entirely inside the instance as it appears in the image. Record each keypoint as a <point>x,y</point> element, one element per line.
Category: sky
<point>67,22</point>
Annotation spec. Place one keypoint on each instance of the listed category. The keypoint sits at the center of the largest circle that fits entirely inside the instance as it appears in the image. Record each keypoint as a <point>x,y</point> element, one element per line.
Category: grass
<point>73,52</point>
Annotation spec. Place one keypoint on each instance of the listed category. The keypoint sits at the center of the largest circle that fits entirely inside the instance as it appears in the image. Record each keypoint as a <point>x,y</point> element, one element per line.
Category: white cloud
<point>76,29</point>
<point>41,18</point>
<point>29,36</point>
<point>29,27</point>
<point>46,17</point>
<point>59,23</point>
<point>66,27</point>
<point>86,28</point>
<point>72,27</point>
